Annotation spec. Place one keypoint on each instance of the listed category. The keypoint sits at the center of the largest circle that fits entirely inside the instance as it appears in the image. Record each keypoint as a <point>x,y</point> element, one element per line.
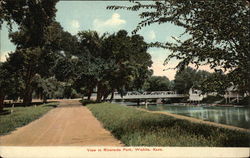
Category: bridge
<point>149,95</point>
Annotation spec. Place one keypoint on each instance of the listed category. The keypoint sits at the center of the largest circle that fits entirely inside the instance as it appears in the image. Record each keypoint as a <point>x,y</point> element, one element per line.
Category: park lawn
<point>22,116</point>
<point>140,128</point>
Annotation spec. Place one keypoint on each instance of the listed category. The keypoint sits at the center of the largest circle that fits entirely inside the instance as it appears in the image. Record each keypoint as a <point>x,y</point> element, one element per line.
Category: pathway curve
<point>70,124</point>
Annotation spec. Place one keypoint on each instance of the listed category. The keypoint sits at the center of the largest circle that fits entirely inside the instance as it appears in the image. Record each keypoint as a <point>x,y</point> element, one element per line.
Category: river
<point>235,116</point>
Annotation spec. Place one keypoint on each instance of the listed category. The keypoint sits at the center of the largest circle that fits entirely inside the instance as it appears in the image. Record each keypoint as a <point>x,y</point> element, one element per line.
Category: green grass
<point>22,116</point>
<point>139,128</point>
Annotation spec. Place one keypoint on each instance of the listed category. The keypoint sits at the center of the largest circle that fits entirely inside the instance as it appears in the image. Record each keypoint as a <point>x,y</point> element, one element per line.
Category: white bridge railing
<point>149,95</point>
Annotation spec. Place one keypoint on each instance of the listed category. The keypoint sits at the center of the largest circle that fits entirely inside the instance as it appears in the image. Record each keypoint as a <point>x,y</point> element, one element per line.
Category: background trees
<point>217,33</point>
<point>191,78</point>
<point>114,62</point>
<point>157,83</point>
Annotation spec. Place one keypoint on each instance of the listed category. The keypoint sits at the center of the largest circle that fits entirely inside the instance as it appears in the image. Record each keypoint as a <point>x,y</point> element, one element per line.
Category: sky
<point>77,16</point>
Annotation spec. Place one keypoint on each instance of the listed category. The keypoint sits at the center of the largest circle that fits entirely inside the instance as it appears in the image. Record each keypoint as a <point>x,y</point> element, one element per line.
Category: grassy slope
<point>22,116</point>
<point>138,128</point>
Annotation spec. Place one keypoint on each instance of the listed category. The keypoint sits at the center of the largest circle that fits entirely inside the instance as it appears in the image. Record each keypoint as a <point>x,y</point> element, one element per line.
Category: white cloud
<point>151,35</point>
<point>74,26</point>
<point>115,22</point>
<point>158,58</point>
<point>4,55</point>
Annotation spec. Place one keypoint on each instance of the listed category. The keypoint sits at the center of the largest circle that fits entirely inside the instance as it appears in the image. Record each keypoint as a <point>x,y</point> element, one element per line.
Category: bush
<point>139,128</point>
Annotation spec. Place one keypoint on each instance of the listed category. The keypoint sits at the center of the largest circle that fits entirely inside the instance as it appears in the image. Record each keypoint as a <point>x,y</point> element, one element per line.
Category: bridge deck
<point>149,95</point>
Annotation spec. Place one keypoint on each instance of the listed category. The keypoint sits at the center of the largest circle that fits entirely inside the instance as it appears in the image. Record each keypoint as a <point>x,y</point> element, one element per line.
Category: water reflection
<point>236,116</point>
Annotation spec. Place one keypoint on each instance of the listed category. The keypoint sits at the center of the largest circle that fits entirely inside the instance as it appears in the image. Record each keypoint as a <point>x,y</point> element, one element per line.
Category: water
<point>235,116</point>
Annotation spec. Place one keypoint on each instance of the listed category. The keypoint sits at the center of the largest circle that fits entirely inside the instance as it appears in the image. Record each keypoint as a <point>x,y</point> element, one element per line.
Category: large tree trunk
<point>44,98</point>
<point>105,96</point>
<point>90,91</point>
<point>1,102</point>
<point>112,96</point>
<point>27,98</point>
<point>99,93</point>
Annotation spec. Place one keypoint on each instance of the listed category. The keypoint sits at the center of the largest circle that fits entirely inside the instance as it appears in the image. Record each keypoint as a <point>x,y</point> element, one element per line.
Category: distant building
<point>232,94</point>
<point>196,95</point>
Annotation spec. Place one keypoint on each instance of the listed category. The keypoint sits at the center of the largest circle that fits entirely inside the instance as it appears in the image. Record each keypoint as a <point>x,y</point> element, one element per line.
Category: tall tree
<point>218,33</point>
<point>113,62</point>
<point>33,18</point>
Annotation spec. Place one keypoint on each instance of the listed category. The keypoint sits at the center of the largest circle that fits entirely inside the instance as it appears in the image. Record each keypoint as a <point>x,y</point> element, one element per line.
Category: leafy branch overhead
<point>216,33</point>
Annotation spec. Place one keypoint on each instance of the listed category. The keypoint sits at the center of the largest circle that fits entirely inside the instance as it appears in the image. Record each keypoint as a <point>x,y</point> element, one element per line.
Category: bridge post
<point>138,102</point>
<point>146,103</point>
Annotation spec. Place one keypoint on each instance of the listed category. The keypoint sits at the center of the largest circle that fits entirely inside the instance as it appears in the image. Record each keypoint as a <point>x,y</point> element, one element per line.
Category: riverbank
<point>141,128</point>
<point>195,120</point>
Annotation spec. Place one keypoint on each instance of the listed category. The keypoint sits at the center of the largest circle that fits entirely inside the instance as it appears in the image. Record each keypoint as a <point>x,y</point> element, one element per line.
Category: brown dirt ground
<point>70,124</point>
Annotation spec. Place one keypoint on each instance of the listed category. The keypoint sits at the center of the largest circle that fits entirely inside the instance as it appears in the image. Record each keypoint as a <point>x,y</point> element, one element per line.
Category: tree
<point>190,78</point>
<point>5,84</point>
<point>218,33</point>
<point>33,15</point>
<point>91,57</point>
<point>157,83</point>
<point>184,80</point>
<point>112,62</point>
<point>129,61</point>
<point>46,87</point>
<point>10,83</point>
<point>33,18</point>
<point>216,82</point>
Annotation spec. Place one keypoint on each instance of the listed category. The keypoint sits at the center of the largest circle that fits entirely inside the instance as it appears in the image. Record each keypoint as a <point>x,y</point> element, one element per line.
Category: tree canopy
<point>157,83</point>
<point>114,62</point>
<point>190,78</point>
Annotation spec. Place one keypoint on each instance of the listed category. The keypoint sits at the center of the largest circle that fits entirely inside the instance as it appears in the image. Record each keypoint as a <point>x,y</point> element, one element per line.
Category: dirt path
<point>68,125</point>
<point>191,119</point>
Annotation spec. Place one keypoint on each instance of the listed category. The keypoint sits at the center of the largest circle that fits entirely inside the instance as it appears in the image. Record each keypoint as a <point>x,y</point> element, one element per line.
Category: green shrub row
<point>139,128</point>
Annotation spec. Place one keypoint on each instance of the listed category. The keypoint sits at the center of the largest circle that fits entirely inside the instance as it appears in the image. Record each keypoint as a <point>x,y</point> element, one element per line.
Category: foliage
<point>190,78</point>
<point>10,84</point>
<point>114,62</point>
<point>217,33</point>
<point>157,83</point>
<point>216,82</point>
<point>32,18</point>
<point>139,128</point>
<point>22,116</point>
<point>46,87</point>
